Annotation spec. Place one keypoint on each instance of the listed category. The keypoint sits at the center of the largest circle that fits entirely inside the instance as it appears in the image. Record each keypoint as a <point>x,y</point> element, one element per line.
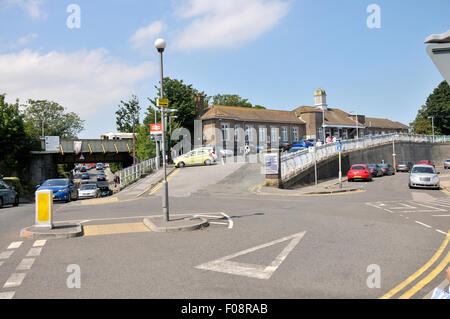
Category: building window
<point>284,134</point>
<point>262,133</point>
<point>295,134</point>
<point>225,131</point>
<point>236,133</point>
<point>274,134</point>
<point>248,133</point>
<point>320,134</point>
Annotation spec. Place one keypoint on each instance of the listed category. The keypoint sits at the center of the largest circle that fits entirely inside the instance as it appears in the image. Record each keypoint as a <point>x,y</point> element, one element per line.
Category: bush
<point>14,182</point>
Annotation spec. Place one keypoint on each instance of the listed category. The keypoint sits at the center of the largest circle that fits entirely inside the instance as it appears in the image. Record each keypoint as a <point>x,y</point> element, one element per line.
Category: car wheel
<point>181,164</point>
<point>207,162</point>
<point>70,197</point>
<point>1,202</point>
<point>410,187</point>
<point>16,201</point>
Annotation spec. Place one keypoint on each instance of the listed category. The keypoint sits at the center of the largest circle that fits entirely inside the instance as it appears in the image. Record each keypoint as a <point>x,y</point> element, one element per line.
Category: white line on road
<point>33,252</point>
<point>230,221</point>
<point>428,226</point>
<point>25,264</point>
<point>6,254</point>
<point>218,223</point>
<point>440,215</point>
<point>7,295</point>
<point>39,243</point>
<point>250,270</point>
<point>14,280</point>
<point>440,231</point>
<point>15,245</point>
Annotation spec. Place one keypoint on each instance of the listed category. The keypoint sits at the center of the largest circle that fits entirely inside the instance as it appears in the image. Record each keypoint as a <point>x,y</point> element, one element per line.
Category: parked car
<point>101,176</point>
<point>375,170</point>
<point>403,167</point>
<point>424,176</point>
<point>446,163</point>
<point>425,162</point>
<point>387,169</point>
<point>198,156</point>
<point>83,169</point>
<point>104,190</point>
<point>99,166</point>
<point>8,195</point>
<point>295,149</point>
<point>85,176</point>
<point>302,143</point>
<point>89,191</point>
<point>359,171</point>
<point>63,189</point>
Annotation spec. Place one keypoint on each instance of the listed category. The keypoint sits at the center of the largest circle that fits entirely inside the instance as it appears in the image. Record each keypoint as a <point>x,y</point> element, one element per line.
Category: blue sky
<point>273,52</point>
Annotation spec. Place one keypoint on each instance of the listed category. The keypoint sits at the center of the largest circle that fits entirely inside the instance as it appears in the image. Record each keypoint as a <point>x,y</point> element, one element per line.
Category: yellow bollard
<point>44,209</point>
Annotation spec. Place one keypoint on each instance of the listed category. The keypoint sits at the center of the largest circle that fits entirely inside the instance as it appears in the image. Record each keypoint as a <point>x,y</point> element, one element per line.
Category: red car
<point>425,162</point>
<point>359,171</point>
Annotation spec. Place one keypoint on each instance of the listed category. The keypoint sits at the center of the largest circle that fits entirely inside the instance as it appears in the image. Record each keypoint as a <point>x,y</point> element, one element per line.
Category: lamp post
<point>432,125</point>
<point>160,45</point>
<point>356,120</point>
<point>134,139</point>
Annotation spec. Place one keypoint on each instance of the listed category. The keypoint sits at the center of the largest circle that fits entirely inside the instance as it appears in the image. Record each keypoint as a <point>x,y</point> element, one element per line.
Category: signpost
<point>163,102</point>
<point>51,143</point>
<point>44,209</point>
<point>339,148</point>
<point>155,129</point>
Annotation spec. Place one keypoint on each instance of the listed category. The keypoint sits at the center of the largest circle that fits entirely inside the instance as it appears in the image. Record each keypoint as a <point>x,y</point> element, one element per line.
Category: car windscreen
<point>372,166</point>
<point>358,167</point>
<point>403,163</point>
<point>55,182</point>
<point>425,170</point>
<point>87,186</point>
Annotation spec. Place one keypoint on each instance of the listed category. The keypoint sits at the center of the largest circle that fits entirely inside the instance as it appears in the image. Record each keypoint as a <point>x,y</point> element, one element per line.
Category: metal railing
<point>293,164</point>
<point>131,174</point>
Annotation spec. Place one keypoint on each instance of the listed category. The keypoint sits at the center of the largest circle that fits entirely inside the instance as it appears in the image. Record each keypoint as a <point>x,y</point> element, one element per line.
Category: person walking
<point>328,140</point>
<point>318,143</point>
<point>334,139</point>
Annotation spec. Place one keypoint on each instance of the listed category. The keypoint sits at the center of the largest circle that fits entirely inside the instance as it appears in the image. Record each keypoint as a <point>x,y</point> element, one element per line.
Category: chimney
<point>320,99</point>
<point>199,105</point>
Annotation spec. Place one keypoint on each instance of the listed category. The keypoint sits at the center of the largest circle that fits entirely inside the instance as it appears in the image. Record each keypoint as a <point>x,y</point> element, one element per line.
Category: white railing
<point>131,174</point>
<point>292,164</point>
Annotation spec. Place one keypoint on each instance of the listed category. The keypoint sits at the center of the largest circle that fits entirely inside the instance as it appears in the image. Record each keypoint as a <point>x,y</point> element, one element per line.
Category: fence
<point>293,164</point>
<point>131,174</point>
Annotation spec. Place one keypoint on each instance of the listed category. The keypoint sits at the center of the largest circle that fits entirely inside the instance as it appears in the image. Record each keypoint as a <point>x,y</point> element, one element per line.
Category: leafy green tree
<point>50,117</point>
<point>230,100</point>
<point>437,106</point>
<point>128,113</point>
<point>15,143</point>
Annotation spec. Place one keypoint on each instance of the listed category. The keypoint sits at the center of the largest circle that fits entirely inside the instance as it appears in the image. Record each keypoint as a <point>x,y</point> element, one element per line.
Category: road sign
<point>44,208</point>
<point>51,143</point>
<point>163,102</point>
<point>155,128</point>
<point>339,146</point>
<point>156,138</point>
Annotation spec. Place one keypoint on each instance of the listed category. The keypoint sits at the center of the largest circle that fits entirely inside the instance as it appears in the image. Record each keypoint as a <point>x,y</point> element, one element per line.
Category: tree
<point>128,113</point>
<point>181,97</point>
<point>437,106</point>
<point>230,100</point>
<point>42,116</point>
<point>15,143</point>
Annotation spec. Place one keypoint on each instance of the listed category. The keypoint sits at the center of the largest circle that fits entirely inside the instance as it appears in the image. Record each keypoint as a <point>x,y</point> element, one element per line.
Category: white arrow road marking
<point>250,270</point>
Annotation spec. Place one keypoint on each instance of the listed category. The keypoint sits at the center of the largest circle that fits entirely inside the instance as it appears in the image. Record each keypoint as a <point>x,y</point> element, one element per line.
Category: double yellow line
<point>422,283</point>
<point>159,185</point>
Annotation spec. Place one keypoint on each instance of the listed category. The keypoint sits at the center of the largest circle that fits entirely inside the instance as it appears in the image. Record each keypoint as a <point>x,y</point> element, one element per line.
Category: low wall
<point>405,151</point>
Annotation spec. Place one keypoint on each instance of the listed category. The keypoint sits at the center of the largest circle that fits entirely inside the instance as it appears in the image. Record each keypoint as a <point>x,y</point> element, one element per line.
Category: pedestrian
<point>334,139</point>
<point>318,143</point>
<point>328,140</point>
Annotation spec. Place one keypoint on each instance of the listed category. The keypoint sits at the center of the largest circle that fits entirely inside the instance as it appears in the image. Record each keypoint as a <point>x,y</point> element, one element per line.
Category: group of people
<point>329,139</point>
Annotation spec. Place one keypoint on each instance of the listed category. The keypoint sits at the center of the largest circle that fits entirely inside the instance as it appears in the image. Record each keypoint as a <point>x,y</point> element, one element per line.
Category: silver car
<point>447,163</point>
<point>424,176</point>
<point>8,196</point>
<point>88,191</point>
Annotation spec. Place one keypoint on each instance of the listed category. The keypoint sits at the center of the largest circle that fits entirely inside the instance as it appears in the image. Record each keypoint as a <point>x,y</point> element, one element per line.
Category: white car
<point>424,176</point>
<point>89,191</point>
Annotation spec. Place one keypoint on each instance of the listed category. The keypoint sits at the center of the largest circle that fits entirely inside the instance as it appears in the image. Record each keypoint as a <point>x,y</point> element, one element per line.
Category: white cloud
<point>32,7</point>
<point>144,37</point>
<point>26,39</point>
<point>85,82</point>
<point>227,23</point>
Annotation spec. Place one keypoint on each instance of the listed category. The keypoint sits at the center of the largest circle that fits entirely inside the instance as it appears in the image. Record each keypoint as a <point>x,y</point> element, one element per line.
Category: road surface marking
<point>33,252</point>
<point>440,231</point>
<point>25,264</point>
<point>250,270</point>
<point>15,245</point>
<point>420,271</point>
<point>159,185</point>
<point>109,229</point>
<point>6,254</point>
<point>1,263</point>
<point>7,295</point>
<point>218,223</point>
<point>14,280</point>
<point>100,201</point>
<point>427,279</point>
<point>39,243</point>
<point>230,221</point>
<point>440,215</point>
<point>428,226</point>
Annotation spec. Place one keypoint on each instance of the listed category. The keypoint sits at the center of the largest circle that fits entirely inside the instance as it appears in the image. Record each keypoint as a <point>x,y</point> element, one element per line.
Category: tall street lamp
<point>432,125</point>
<point>160,45</point>
<point>356,120</point>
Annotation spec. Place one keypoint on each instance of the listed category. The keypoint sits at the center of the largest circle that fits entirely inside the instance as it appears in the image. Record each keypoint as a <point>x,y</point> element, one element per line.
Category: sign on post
<point>44,208</point>
<point>155,128</point>
<point>163,102</point>
<point>271,161</point>
<point>51,143</point>
<point>339,146</point>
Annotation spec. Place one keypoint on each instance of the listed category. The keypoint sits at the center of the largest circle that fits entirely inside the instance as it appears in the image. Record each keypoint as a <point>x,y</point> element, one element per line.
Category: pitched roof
<point>250,114</point>
<point>333,116</point>
<point>384,123</point>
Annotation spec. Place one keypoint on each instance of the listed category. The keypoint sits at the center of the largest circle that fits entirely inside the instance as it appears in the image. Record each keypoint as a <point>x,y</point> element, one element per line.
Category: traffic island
<point>60,230</point>
<point>158,224</point>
